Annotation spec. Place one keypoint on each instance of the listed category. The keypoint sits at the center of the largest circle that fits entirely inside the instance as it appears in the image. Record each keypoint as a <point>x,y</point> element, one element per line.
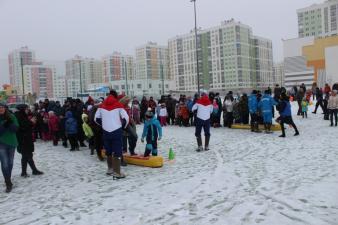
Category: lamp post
<point>23,81</point>
<point>162,78</point>
<point>80,79</point>
<point>126,74</point>
<point>196,45</point>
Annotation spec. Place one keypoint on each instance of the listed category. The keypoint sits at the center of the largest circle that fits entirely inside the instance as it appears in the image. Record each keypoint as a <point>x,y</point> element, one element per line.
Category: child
<point>305,105</point>
<point>152,131</point>
<point>53,126</point>
<point>87,130</point>
<point>163,115</point>
<point>71,131</point>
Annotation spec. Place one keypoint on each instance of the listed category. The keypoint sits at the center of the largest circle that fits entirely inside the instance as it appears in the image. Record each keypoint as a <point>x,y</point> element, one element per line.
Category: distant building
<point>230,58</point>
<point>116,67</point>
<point>16,60</point>
<point>319,20</point>
<point>278,74</point>
<point>59,87</point>
<point>152,66</point>
<point>39,80</point>
<point>309,60</point>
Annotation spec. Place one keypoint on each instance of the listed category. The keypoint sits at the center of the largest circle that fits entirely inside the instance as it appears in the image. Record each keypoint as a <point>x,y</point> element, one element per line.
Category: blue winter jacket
<point>71,123</point>
<point>253,103</point>
<point>266,103</point>
<point>152,129</point>
<point>286,111</point>
<point>190,104</point>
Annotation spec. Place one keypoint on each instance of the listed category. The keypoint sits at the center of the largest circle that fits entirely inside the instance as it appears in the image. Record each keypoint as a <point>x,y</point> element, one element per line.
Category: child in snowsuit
<point>163,115</point>
<point>53,126</point>
<point>305,105</point>
<point>71,131</point>
<point>152,131</point>
<point>87,130</point>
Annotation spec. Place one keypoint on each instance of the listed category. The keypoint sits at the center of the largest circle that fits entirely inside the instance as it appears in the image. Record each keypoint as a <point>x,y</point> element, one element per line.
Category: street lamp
<point>162,78</point>
<point>80,78</point>
<point>126,74</point>
<point>196,45</point>
<point>23,82</point>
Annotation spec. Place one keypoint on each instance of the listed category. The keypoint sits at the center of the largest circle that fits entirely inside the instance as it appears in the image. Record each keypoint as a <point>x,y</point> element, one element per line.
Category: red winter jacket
<point>53,123</point>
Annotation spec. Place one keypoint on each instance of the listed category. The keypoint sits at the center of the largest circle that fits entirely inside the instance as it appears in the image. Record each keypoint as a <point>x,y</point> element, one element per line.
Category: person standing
<point>266,105</point>
<point>25,139</point>
<point>8,143</point>
<point>204,109</point>
<point>284,108</point>
<point>333,107</point>
<point>112,116</point>
<point>253,109</point>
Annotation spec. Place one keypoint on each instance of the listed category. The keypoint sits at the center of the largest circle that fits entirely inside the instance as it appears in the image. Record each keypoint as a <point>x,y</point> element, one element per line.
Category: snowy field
<point>246,178</point>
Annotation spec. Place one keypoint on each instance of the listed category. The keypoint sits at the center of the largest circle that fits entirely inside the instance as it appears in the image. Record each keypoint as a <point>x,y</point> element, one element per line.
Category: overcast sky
<point>60,29</point>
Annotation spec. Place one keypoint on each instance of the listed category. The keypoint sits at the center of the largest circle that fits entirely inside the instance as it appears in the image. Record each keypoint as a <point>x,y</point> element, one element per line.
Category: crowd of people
<point>110,123</point>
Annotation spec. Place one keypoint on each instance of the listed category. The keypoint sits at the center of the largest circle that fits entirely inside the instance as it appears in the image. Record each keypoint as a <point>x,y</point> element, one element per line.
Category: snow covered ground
<point>245,179</point>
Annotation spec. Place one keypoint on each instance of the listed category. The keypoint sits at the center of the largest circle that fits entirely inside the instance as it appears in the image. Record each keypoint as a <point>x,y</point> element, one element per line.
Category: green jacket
<point>9,137</point>
<point>87,130</point>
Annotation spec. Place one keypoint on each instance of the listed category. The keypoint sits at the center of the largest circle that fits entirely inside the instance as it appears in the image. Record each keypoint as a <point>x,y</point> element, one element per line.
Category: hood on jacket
<point>69,114</point>
<point>84,116</point>
<point>111,103</point>
<point>204,100</point>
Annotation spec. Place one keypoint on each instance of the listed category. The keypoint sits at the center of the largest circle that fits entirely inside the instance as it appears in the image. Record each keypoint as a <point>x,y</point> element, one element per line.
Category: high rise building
<point>278,74</point>
<point>230,58</point>
<point>39,80</point>
<point>59,87</point>
<point>86,70</point>
<point>152,66</point>
<point>318,20</point>
<point>116,67</point>
<point>16,60</point>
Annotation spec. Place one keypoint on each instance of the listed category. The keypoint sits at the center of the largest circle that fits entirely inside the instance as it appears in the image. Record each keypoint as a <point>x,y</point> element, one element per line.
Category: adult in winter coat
<point>265,105</point>
<point>284,108</point>
<point>144,107</point>
<point>25,139</point>
<point>8,143</point>
<point>253,109</point>
<point>53,124</point>
<point>71,130</point>
<point>228,107</point>
<point>204,109</point>
<point>299,97</point>
<point>333,107</point>
<point>243,108</point>
<point>135,108</point>
<point>113,118</point>
<point>319,97</point>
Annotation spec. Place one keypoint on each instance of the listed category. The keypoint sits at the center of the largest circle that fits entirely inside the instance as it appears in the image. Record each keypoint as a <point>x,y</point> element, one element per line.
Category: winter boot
<point>269,128</point>
<point>199,144</point>
<point>24,168</point>
<point>123,163</point>
<point>252,126</point>
<point>33,167</point>
<point>110,170</point>
<point>206,144</point>
<point>256,128</point>
<point>117,168</point>
<point>9,185</point>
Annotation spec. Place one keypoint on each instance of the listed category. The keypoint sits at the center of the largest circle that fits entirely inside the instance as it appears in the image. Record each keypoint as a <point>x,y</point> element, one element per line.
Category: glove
<point>159,138</point>
<point>142,140</point>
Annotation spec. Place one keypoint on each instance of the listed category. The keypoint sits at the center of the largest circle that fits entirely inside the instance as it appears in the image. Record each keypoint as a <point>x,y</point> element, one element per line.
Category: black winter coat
<point>24,133</point>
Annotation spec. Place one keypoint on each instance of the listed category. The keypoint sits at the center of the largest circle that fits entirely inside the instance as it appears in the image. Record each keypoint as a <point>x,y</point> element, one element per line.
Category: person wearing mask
<point>25,139</point>
<point>8,143</point>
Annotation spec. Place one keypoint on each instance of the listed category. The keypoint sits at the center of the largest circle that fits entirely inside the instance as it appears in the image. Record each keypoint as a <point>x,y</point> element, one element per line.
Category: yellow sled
<point>274,127</point>
<point>139,160</point>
